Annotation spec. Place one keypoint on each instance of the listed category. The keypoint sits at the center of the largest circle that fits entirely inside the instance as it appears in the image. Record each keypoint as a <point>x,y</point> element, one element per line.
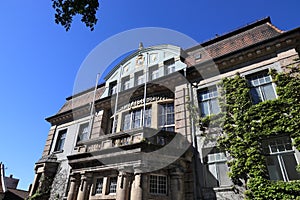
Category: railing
<point>145,135</point>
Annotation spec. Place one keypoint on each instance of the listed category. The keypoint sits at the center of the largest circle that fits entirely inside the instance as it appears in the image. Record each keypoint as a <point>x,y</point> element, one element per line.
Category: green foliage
<point>67,9</point>
<point>246,126</point>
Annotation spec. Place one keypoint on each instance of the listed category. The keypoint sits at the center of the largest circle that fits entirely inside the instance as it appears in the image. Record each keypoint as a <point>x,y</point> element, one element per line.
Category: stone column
<point>85,185</point>
<point>123,186</point>
<point>74,184</point>
<point>177,185</point>
<point>136,187</point>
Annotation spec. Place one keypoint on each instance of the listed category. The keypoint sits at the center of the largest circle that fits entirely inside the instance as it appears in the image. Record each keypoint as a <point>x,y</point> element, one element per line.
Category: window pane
<point>214,106</point>
<point>113,185</point>
<point>126,122</point>
<point>268,92</point>
<point>222,174</point>
<point>83,133</point>
<point>147,118</point>
<point>204,106</point>
<point>274,168</point>
<point>136,119</point>
<point>256,96</point>
<point>99,186</point>
<point>290,164</point>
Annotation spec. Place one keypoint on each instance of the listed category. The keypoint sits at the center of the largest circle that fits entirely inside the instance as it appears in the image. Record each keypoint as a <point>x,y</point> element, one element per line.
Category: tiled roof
<point>81,100</point>
<point>18,193</point>
<point>238,39</point>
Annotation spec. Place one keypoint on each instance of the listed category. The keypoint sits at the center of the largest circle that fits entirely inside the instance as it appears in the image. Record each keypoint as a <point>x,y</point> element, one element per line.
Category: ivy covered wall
<point>247,126</point>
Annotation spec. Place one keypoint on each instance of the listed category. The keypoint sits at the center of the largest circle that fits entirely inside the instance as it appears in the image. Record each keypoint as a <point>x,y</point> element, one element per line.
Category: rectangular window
<point>126,121</point>
<point>139,78</point>
<point>169,66</point>
<point>99,186</point>
<point>158,184</point>
<point>112,185</point>
<point>133,119</point>
<point>280,159</point>
<point>262,88</point>
<point>147,117</point>
<point>136,118</point>
<point>83,133</point>
<point>60,141</point>
<point>154,72</point>
<point>113,124</point>
<point>113,88</point>
<point>125,83</point>
<point>166,117</point>
<point>217,169</point>
<point>208,102</point>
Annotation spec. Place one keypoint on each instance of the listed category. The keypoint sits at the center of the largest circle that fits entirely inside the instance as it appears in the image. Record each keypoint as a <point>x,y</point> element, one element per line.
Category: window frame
<point>258,81</point>
<point>166,126</point>
<point>211,97</point>
<point>215,160</point>
<point>131,118</point>
<point>59,144</point>
<point>169,64</point>
<point>154,72</point>
<point>109,185</point>
<point>113,88</point>
<point>79,132</point>
<point>95,188</point>
<point>286,150</point>
<point>126,83</point>
<point>158,184</point>
<point>137,76</point>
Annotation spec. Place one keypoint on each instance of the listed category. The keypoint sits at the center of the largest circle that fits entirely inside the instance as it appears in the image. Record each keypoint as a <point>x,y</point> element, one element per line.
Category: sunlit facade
<point>143,140</point>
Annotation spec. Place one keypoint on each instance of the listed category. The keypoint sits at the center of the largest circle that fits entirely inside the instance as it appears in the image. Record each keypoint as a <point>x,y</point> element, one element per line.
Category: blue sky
<point>39,60</point>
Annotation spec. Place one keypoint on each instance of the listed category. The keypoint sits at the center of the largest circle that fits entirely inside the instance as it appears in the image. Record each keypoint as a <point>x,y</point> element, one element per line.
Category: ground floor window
<point>158,184</point>
<point>112,185</point>
<point>99,186</point>
<point>280,159</point>
<point>216,169</point>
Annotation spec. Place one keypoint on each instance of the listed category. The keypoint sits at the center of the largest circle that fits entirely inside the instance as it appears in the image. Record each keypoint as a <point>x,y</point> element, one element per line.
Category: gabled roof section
<point>240,38</point>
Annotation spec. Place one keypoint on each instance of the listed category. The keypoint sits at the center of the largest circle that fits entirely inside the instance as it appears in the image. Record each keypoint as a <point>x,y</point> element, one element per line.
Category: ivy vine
<point>245,127</point>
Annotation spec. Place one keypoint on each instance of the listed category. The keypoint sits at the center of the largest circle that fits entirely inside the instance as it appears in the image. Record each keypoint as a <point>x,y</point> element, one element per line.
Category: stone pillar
<point>84,190</point>
<point>136,187</point>
<point>74,184</point>
<point>123,186</point>
<point>177,185</point>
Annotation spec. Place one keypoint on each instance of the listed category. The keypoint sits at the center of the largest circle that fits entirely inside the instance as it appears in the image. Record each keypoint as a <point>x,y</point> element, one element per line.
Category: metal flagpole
<point>92,105</point>
<point>145,90</point>
<point>117,97</point>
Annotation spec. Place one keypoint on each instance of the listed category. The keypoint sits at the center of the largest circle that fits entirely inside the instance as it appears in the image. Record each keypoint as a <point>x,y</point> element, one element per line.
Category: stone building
<point>135,135</point>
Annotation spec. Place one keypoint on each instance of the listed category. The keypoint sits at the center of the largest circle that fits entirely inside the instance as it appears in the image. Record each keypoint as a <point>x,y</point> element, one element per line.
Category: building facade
<point>137,135</point>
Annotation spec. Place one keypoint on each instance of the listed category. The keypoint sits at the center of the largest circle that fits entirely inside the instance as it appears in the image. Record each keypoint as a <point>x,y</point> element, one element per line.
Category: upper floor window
<point>281,161</point>
<point>113,124</point>
<point>262,88</point>
<point>139,78</point>
<point>158,184</point>
<point>134,118</point>
<point>208,102</point>
<point>126,83</point>
<point>166,117</point>
<point>113,88</point>
<point>217,169</point>
<point>169,66</point>
<point>154,72</point>
<point>83,133</point>
<point>112,185</point>
<point>99,186</point>
<point>60,141</point>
